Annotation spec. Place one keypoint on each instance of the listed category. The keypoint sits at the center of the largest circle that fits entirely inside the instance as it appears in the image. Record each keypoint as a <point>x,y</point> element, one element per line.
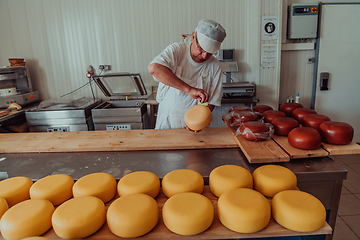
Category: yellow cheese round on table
<point>3,206</point>
<point>244,210</point>
<point>182,180</point>
<point>132,215</point>
<point>188,213</point>
<point>298,211</point>
<point>79,217</point>
<point>101,185</point>
<point>29,218</point>
<point>198,117</point>
<point>139,182</point>
<point>36,238</point>
<point>271,179</point>
<point>226,177</point>
<point>55,188</point>
<point>15,189</point>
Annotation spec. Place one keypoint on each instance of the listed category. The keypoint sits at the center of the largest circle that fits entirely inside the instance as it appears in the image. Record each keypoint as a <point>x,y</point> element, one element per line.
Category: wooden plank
<point>295,153</point>
<point>351,148</point>
<point>132,140</point>
<point>215,231</point>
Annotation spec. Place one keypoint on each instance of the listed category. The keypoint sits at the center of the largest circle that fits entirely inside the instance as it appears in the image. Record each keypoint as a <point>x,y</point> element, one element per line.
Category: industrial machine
<point>238,90</point>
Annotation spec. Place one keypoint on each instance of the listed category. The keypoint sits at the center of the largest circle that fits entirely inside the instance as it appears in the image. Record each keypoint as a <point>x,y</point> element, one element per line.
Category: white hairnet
<point>210,35</point>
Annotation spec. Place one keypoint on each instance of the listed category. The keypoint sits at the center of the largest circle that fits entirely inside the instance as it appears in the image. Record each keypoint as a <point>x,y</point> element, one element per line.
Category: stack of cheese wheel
<point>256,131</point>
<point>337,133</point>
<point>139,182</point>
<point>15,189</point>
<point>182,180</point>
<point>314,120</point>
<point>239,109</point>
<point>283,125</point>
<point>238,118</point>
<point>55,188</point>
<point>132,215</point>
<point>198,117</point>
<point>288,108</point>
<point>261,108</point>
<point>271,179</point>
<point>28,218</point>
<point>244,210</point>
<point>101,185</point>
<point>305,138</point>
<point>300,113</point>
<point>79,217</point>
<point>270,115</point>
<point>298,211</point>
<point>227,177</point>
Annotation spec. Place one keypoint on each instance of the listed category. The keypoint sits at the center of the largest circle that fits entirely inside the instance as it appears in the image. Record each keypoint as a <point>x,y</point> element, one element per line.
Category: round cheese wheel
<point>3,206</point>
<point>256,131</point>
<point>55,188</point>
<point>79,217</point>
<point>182,180</point>
<point>239,109</point>
<point>314,120</point>
<point>101,185</point>
<point>15,189</point>
<point>36,238</point>
<point>227,177</point>
<point>304,138</point>
<point>132,215</point>
<point>139,182</point>
<point>271,179</point>
<point>338,133</point>
<point>270,115</point>
<point>283,125</point>
<point>244,210</point>
<point>237,118</point>
<point>288,108</point>
<point>28,218</point>
<point>298,211</point>
<point>299,113</point>
<point>198,117</point>
<point>261,108</point>
<point>188,213</point>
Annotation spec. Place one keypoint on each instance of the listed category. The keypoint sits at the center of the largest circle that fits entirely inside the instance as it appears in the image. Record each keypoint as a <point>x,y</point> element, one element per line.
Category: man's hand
<point>199,94</point>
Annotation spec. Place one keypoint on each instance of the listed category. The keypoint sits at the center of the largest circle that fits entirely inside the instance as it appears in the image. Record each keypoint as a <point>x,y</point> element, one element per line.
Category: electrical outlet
<point>105,67</point>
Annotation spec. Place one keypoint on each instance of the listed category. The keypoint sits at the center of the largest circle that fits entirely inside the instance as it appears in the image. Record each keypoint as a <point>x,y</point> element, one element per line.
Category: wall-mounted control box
<point>302,21</point>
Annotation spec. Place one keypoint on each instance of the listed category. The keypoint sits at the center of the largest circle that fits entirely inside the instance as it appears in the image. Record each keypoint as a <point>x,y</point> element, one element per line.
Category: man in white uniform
<point>188,73</point>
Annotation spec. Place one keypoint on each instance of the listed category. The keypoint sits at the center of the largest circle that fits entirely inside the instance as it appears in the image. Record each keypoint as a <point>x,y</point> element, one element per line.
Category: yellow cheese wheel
<point>36,238</point>
<point>228,177</point>
<point>298,211</point>
<point>244,210</point>
<point>101,185</point>
<point>271,179</point>
<point>3,206</point>
<point>182,180</point>
<point>188,213</point>
<point>79,217</point>
<point>29,218</point>
<point>139,182</point>
<point>132,215</point>
<point>15,189</point>
<point>198,117</point>
<point>55,188</point>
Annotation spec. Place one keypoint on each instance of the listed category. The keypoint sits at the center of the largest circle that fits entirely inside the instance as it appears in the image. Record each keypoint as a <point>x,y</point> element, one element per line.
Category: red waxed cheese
<point>288,108</point>
<point>237,118</point>
<point>304,138</point>
<point>255,131</point>
<point>299,113</point>
<point>283,125</point>
<point>262,108</point>
<point>270,115</point>
<point>314,120</point>
<point>239,109</point>
<point>338,133</point>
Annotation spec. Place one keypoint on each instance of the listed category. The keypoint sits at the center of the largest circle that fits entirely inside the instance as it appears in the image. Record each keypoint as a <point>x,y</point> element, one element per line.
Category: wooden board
<point>132,140</point>
<point>231,129</point>
<point>351,148</point>
<point>298,153</point>
<point>215,231</point>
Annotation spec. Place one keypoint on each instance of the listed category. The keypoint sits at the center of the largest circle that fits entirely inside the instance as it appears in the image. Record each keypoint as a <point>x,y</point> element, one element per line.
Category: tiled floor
<point>348,221</point>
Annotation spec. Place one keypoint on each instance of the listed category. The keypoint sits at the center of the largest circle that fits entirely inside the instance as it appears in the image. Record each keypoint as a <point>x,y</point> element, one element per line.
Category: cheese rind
<point>188,213</point>
<point>198,117</point>
<point>298,211</point>
<point>271,179</point>
<point>101,185</point>
<point>132,215</point>
<point>182,180</point>
<point>55,188</point>
<point>28,218</point>
<point>139,182</point>
<point>3,206</point>
<point>79,217</point>
<point>226,177</point>
<point>244,210</point>
<point>15,189</point>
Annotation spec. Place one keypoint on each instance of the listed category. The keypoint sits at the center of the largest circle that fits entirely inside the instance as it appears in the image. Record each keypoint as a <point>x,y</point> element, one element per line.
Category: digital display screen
<point>228,54</point>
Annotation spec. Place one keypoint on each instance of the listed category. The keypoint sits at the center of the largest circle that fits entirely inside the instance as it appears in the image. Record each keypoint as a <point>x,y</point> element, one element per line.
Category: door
<point>339,56</point>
